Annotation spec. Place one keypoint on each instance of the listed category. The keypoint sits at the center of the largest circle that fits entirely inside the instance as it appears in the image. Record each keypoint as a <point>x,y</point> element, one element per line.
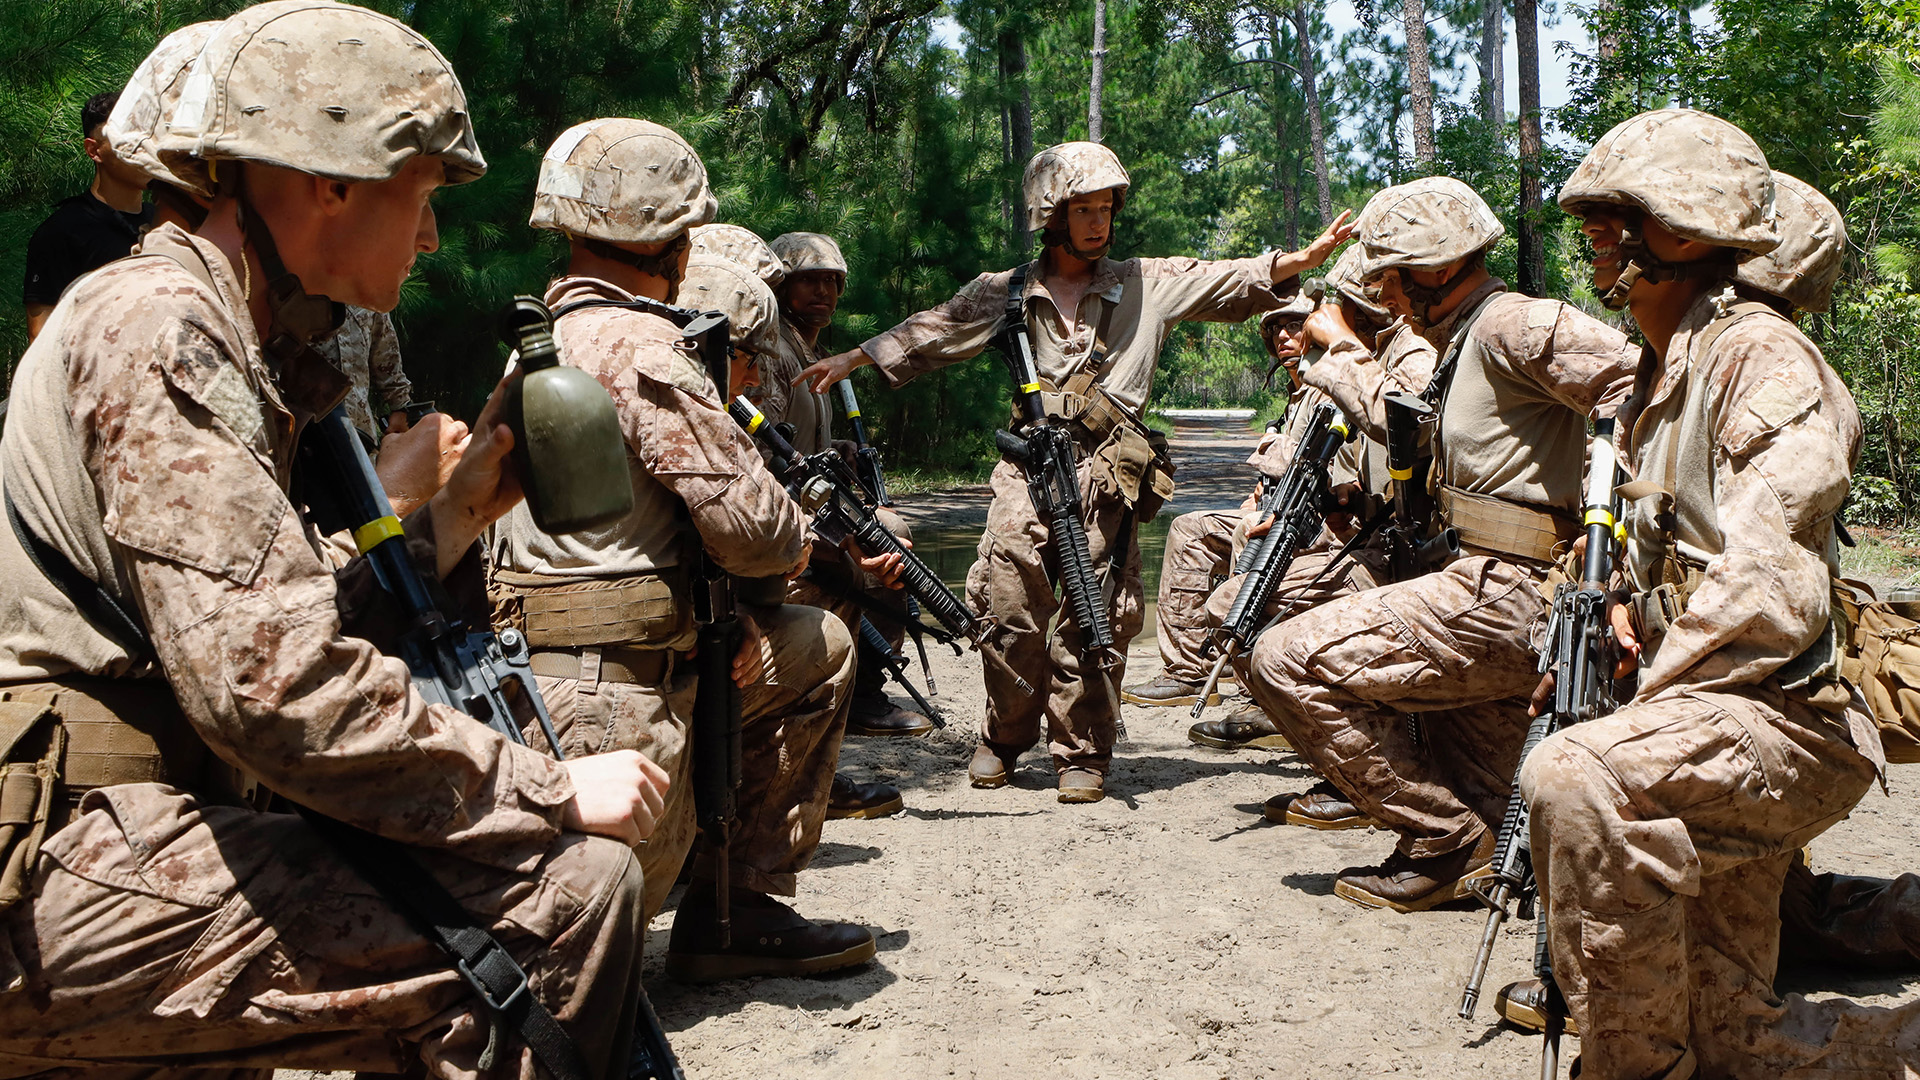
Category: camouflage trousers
<point>168,936</point>
<point>791,723</point>
<point>1199,553</point>
<point>1307,584</point>
<point>1011,582</point>
<point>1846,920</point>
<point>1452,646</point>
<point>1661,834</point>
<point>869,680</point>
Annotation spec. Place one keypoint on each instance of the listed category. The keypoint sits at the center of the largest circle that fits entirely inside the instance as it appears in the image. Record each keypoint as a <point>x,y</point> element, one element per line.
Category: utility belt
<point>1130,460</point>
<point>64,737</point>
<point>631,629</point>
<point>1506,527</point>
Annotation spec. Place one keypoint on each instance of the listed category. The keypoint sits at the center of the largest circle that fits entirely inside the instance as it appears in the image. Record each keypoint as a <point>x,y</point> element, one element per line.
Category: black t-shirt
<point>81,234</point>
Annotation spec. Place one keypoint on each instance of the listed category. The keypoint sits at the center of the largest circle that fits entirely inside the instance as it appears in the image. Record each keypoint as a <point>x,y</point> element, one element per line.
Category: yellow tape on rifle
<point>1597,516</point>
<point>376,532</point>
<point>1030,388</point>
<point>1399,474</point>
<point>754,424</point>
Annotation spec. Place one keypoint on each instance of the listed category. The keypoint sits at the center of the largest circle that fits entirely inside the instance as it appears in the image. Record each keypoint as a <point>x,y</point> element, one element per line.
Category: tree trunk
<point>1683,17</point>
<point>1316,131</point>
<point>1419,79</point>
<point>1533,248</point>
<point>1094,125</point>
<point>1013,70</point>
<point>1493,67</point>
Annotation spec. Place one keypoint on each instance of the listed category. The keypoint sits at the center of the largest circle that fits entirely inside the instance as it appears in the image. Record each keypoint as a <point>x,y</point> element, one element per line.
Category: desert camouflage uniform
<point>1662,832</point>
<point>1357,384</point>
<point>1139,300</point>
<point>367,352</point>
<point>695,480</point>
<point>169,929</point>
<point>1452,645</point>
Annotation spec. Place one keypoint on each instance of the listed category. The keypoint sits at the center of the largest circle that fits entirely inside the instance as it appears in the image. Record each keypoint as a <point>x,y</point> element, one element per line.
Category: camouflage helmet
<point>1426,224</point>
<point>1699,176</point>
<point>622,181</point>
<point>716,284</point>
<point>804,251</point>
<point>322,88</point>
<point>139,118</point>
<point>1344,279</point>
<point>1813,243</point>
<point>739,245</point>
<point>1058,173</point>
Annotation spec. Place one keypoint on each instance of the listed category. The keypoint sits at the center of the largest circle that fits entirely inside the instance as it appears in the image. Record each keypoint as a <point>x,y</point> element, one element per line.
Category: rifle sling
<point>109,616</point>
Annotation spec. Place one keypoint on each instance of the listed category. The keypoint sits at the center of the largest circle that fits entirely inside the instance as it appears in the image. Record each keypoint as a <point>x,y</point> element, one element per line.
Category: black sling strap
<point>107,615</point>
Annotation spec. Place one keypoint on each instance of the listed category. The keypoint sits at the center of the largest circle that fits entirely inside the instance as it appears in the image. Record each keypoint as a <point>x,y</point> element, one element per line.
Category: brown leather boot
<point>850,799</point>
<point>1320,807</point>
<point>1079,785</point>
<point>769,938</point>
<point>1246,727</point>
<point>876,717</point>
<point>1165,692</point>
<point>1407,884</point>
<point>990,765</point>
<point>1524,1004</point>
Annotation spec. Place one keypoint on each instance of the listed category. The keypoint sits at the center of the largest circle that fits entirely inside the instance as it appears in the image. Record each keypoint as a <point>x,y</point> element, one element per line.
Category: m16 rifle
<point>1410,551</point>
<point>486,676</point>
<point>1045,451</point>
<point>1299,512</point>
<point>866,459</point>
<point>1579,653</point>
<point>825,487</point>
<point>875,644</point>
<point>1266,504</point>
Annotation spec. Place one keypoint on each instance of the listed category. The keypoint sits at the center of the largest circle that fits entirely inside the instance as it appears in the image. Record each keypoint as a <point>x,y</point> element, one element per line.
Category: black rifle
<point>1266,503</point>
<point>867,458</point>
<point>486,676</point>
<point>1045,451</point>
<point>1580,653</point>
<point>1410,551</point>
<point>1299,511</point>
<point>875,643</point>
<point>825,487</point>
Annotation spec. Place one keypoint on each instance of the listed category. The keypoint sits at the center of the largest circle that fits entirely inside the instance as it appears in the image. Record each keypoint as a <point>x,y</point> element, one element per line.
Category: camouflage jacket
<point>181,445</point>
<point>1756,440</point>
<point>1146,296</point>
<point>810,414</point>
<point>367,351</point>
<point>683,451</point>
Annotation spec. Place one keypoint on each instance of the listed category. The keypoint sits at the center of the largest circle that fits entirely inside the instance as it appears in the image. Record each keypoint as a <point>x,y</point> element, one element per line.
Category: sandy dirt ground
<point>1168,931</point>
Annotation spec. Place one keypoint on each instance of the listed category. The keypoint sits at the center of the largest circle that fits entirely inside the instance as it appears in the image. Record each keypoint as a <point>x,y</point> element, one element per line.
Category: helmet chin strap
<point>1641,264</point>
<point>1425,298</point>
<point>297,319</point>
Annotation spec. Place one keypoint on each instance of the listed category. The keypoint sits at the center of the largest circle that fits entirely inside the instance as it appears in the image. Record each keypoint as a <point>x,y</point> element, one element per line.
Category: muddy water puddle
<point>950,550</point>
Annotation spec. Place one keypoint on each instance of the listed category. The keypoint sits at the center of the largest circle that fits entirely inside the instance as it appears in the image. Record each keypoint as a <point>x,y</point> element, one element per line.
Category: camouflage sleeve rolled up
<point>242,609</point>
<point>1785,432</point>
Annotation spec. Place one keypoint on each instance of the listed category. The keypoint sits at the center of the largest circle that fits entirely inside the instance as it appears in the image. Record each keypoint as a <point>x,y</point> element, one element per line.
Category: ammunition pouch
<point>1130,461</point>
<point>65,737</point>
<point>1506,527</point>
<point>638,610</point>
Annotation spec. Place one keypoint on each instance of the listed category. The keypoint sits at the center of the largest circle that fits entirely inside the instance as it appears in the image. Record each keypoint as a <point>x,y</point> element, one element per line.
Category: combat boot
<point>990,765</point>
<point>1079,785</point>
<point>1319,807</point>
<point>1245,727</point>
<point>1524,1004</point>
<point>1166,692</point>
<point>768,939</point>
<point>873,715</point>
<point>849,799</point>
<point>1408,884</point>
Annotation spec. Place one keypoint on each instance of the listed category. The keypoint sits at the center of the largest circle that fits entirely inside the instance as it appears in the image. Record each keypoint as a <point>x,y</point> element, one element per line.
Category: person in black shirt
<point>90,229</point>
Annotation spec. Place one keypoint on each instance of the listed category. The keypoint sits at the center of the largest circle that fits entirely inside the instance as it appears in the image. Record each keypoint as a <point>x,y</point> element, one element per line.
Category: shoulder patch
<point>1779,400</point>
<point>686,372</point>
<point>228,397</point>
<point>1543,314</point>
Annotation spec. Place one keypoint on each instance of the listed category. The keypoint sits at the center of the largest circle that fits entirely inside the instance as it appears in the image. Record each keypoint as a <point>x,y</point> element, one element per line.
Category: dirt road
<point>1166,932</point>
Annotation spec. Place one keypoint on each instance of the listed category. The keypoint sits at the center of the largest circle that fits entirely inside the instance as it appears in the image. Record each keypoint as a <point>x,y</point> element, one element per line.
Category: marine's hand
<point>885,567</point>
<point>825,373</point>
<point>848,450</point>
<point>1327,326</point>
<point>1621,616</point>
<point>620,794</point>
<point>416,461</point>
<point>1347,497</point>
<point>482,487</point>
<point>1295,263</point>
<point>749,663</point>
<point>806,559</point>
<point>1261,528</point>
